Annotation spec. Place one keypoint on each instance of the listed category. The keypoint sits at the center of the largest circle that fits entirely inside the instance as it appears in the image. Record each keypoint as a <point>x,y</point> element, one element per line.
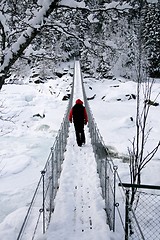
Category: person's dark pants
<point>80,136</point>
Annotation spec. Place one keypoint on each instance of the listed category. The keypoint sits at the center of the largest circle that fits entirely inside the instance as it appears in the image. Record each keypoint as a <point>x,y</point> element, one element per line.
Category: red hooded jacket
<point>85,120</point>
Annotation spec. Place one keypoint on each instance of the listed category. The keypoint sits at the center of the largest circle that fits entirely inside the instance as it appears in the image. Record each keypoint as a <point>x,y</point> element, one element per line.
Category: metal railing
<point>142,217</point>
<point>39,213</point>
<point>105,167</point>
<point>130,223</point>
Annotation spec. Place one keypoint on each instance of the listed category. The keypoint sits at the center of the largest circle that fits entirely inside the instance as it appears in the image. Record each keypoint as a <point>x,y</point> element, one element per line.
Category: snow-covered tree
<point>22,39</point>
<point>151,37</point>
<point>67,27</point>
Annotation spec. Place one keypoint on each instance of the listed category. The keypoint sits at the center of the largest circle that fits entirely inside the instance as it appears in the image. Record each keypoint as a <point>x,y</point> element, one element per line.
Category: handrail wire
<point>51,171</point>
<point>29,210</point>
<point>104,165</point>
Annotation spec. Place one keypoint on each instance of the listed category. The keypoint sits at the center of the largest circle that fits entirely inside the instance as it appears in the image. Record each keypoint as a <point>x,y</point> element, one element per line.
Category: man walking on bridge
<point>79,115</point>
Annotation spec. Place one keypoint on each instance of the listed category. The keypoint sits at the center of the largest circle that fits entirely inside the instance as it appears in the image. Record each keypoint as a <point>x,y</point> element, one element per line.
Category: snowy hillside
<point>115,112</point>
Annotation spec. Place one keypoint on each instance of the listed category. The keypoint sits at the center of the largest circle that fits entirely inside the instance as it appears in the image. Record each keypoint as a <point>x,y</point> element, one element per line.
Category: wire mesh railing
<point>105,169</point>
<point>105,166</point>
<point>148,206</point>
<point>142,216</point>
<point>41,207</point>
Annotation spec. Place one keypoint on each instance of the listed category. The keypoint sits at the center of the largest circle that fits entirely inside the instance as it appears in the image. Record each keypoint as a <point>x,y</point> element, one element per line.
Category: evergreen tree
<point>151,37</point>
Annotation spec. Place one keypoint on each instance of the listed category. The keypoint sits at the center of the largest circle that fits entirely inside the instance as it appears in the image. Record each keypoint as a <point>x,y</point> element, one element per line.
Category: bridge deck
<point>79,207</point>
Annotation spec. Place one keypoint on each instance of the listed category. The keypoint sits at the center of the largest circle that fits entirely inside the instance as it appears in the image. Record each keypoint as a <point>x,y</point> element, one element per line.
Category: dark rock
<point>60,74</point>
<point>66,97</point>
<point>91,98</point>
<point>131,96</point>
<point>38,81</point>
<point>131,118</point>
<point>35,75</point>
<point>108,77</point>
<point>115,86</point>
<point>39,115</point>
<point>152,103</point>
<point>71,74</point>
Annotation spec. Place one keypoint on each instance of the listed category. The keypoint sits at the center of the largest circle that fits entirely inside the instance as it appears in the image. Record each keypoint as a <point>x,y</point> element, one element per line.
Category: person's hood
<point>78,101</point>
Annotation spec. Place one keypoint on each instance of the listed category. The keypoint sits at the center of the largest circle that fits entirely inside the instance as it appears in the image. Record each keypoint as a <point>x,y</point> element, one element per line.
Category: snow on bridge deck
<point>79,208</point>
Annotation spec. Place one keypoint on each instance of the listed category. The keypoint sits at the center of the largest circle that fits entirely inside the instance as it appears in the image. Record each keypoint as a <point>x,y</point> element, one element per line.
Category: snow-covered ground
<point>25,144</point>
<point>26,141</point>
<point>113,109</point>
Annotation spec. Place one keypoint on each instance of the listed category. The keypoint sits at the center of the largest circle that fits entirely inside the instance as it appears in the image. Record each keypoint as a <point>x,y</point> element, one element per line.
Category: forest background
<point>110,37</point>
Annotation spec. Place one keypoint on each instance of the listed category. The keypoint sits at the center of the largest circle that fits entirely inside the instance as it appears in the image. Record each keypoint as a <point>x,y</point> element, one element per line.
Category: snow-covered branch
<point>114,5</point>
<point>36,24</point>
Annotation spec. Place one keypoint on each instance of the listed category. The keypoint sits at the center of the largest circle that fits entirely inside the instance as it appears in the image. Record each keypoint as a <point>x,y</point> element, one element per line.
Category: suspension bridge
<point>75,197</point>
<point>79,193</point>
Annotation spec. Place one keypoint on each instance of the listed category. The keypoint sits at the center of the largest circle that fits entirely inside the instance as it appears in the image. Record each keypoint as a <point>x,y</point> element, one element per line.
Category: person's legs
<point>78,136</point>
<point>83,140</point>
